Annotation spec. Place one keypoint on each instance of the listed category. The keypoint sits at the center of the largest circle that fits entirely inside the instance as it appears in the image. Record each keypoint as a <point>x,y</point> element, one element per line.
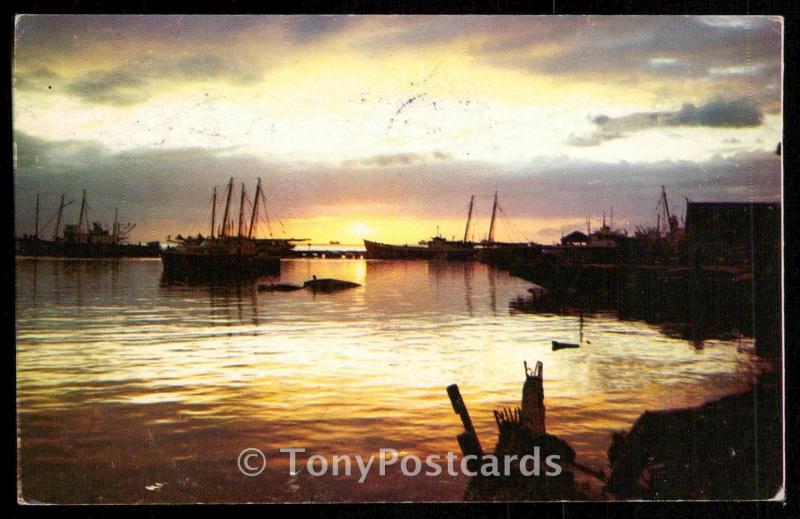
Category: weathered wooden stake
<point>468,440</point>
<point>532,415</point>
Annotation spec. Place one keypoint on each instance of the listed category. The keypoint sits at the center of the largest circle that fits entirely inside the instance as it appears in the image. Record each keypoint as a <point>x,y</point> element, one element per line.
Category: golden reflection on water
<point>123,382</point>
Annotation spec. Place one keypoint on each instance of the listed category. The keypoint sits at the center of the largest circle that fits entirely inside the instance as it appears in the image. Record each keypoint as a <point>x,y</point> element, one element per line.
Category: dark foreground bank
<point>729,448</point>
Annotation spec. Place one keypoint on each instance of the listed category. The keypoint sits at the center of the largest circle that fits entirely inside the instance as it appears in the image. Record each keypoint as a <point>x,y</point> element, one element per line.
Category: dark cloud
<point>741,113</point>
<point>69,33</point>
<point>632,49</point>
<point>37,78</point>
<point>35,35</point>
<point>117,88</point>
<point>396,159</point>
<point>594,139</point>
<point>134,83</point>
<point>606,46</point>
<point>309,28</point>
<point>737,53</point>
<point>145,184</point>
<point>199,50</point>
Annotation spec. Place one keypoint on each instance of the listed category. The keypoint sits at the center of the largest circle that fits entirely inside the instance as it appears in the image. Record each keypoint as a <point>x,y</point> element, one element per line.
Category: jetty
<point>312,253</point>
<point>719,274</point>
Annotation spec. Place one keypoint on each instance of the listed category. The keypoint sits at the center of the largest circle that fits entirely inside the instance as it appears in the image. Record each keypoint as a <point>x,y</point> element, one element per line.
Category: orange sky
<point>336,112</point>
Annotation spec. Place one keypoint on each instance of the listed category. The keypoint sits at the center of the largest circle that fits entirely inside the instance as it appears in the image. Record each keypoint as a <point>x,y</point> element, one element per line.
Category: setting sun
<point>360,229</point>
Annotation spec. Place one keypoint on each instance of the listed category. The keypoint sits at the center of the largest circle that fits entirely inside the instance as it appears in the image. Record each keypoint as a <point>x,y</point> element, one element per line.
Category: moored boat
<point>82,240</point>
<point>225,254</point>
<point>437,247</point>
<point>210,259</point>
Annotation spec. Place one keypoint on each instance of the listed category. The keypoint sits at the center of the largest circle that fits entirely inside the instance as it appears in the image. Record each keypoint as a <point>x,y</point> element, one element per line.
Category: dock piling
<point>468,440</point>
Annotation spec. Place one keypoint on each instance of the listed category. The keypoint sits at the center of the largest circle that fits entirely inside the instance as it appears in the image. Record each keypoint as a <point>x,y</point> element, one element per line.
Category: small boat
<point>328,284</point>
<point>437,248</point>
<point>279,287</point>
<point>563,345</point>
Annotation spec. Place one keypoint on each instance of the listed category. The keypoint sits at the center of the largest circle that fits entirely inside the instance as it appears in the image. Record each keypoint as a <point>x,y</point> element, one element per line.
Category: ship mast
<point>83,213</point>
<point>115,229</point>
<point>469,218</point>
<point>241,212</point>
<point>36,229</point>
<point>255,209</point>
<point>213,210</point>
<point>670,223</point>
<point>491,224</point>
<point>58,220</point>
<point>224,232</point>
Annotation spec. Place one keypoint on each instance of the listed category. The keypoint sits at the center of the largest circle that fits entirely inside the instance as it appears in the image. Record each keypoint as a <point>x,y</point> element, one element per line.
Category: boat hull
<point>62,249</point>
<point>191,267</point>
<point>377,250</point>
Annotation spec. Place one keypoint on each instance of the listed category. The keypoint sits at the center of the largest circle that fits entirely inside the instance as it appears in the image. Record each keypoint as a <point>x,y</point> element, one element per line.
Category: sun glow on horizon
<point>382,127</point>
<point>360,229</point>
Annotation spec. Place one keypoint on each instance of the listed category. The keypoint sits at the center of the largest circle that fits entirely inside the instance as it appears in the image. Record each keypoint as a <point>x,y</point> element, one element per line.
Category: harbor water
<point>130,390</point>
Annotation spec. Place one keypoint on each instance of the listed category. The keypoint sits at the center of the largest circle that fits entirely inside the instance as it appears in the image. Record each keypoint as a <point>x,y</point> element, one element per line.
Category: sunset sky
<point>382,127</point>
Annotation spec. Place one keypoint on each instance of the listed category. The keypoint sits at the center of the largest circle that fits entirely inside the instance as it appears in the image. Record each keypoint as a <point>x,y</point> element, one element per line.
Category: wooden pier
<point>327,254</point>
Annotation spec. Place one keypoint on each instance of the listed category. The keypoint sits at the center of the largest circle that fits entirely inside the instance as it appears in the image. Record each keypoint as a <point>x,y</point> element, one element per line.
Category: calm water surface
<point>130,391</point>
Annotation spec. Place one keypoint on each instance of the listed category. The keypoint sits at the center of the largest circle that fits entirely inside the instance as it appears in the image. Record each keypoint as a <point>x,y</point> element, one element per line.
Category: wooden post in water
<point>532,416</point>
<point>468,440</point>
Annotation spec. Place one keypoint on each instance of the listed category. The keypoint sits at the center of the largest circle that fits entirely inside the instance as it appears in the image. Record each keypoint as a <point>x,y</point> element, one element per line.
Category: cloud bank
<point>168,191</point>
<point>740,113</point>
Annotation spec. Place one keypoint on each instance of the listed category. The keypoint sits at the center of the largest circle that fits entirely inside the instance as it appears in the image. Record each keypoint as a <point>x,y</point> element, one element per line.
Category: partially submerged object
<point>328,284</point>
<point>279,287</point>
<point>563,345</point>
